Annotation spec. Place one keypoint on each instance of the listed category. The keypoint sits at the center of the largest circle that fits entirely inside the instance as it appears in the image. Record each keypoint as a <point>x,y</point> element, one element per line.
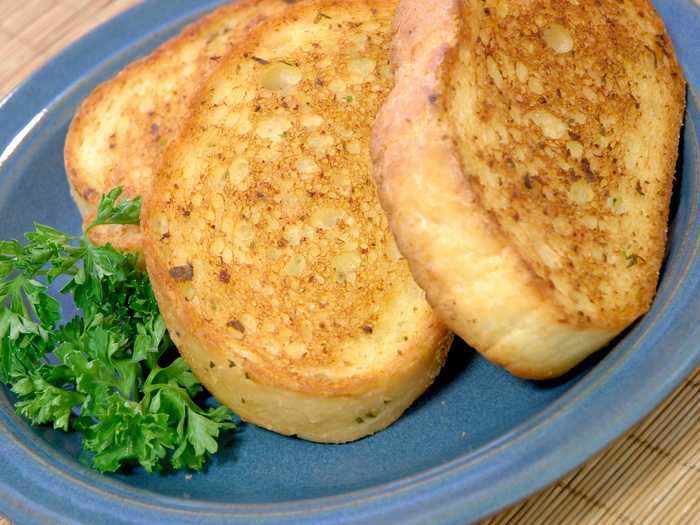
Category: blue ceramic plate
<point>477,441</point>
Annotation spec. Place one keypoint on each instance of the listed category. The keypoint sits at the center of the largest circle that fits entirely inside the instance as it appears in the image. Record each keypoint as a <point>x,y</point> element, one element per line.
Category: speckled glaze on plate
<point>476,442</point>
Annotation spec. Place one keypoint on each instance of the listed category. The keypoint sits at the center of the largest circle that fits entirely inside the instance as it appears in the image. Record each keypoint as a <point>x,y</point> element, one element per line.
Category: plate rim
<point>441,485</point>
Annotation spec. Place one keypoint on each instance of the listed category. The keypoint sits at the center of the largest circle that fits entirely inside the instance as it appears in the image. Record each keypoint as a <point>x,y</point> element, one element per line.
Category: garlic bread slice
<point>267,247</point>
<point>525,159</point>
<point>121,129</point>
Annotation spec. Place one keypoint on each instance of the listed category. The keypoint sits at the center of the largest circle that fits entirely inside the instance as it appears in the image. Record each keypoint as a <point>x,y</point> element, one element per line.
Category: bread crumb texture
<point>566,117</point>
<point>121,130</point>
<point>269,197</point>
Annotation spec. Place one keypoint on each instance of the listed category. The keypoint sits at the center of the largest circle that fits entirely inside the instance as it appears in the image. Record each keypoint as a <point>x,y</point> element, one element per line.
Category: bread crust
<point>266,246</point>
<point>120,131</point>
<point>277,397</point>
<point>475,245</point>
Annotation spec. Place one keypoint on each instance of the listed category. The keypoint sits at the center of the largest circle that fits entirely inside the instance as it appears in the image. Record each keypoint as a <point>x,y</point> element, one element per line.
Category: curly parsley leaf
<point>111,371</point>
<point>43,402</point>
<point>109,211</point>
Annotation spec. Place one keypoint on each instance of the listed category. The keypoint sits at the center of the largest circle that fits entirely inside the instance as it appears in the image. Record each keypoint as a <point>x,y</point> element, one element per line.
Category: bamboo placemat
<point>649,476</point>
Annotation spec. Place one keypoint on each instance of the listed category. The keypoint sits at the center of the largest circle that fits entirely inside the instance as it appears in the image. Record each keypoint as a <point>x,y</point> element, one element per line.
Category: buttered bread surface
<point>268,250</point>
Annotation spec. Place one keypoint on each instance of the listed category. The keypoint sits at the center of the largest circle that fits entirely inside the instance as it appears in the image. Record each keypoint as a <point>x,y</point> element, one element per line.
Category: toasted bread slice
<point>526,159</point>
<point>118,135</point>
<point>266,244</point>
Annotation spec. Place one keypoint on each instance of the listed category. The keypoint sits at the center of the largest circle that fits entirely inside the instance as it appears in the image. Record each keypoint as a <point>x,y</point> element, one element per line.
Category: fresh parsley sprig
<point>111,372</point>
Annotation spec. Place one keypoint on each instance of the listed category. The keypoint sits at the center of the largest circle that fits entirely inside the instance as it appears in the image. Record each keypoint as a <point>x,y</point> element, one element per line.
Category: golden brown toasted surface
<point>120,132</point>
<point>265,241</point>
<point>566,118</point>
<point>525,159</point>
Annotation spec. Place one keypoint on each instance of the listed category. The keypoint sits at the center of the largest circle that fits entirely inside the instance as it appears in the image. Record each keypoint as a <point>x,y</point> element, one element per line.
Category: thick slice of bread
<point>118,135</point>
<point>266,244</point>
<point>525,159</point>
